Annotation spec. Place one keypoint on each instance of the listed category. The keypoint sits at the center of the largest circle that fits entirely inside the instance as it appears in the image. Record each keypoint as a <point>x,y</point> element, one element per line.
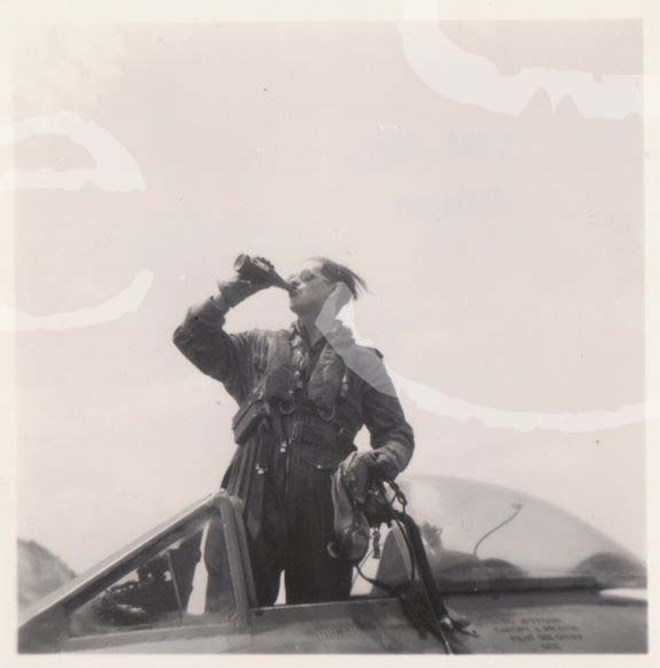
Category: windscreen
<point>177,586</point>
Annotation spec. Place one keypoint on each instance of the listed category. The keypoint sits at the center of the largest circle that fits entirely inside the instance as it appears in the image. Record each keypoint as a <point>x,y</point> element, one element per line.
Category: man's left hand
<point>380,463</point>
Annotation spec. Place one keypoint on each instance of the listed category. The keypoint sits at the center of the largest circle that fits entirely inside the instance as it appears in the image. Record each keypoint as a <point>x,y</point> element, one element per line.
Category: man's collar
<point>298,329</point>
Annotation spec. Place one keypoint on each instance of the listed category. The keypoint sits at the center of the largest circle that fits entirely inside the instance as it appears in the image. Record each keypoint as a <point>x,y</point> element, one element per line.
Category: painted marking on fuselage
<point>549,632</point>
<point>334,632</point>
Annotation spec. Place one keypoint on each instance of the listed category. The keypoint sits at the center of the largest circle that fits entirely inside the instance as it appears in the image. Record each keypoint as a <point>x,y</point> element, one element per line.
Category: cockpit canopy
<point>479,536</point>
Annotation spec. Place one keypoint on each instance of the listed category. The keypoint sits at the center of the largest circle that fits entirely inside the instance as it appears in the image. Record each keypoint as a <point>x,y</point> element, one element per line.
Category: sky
<point>485,178</point>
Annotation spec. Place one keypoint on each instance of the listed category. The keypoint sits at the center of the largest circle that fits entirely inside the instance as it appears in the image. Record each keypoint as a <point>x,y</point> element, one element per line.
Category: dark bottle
<point>259,271</point>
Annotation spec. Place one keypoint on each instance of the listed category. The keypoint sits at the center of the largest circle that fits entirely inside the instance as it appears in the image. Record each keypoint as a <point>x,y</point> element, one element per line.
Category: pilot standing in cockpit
<point>303,395</point>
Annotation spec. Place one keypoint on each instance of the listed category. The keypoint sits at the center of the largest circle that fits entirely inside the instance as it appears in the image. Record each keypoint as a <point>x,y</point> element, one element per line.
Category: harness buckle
<point>327,416</point>
<point>287,406</point>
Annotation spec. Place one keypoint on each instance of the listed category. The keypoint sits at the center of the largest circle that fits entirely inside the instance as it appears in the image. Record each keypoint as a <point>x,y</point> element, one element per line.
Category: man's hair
<point>339,273</point>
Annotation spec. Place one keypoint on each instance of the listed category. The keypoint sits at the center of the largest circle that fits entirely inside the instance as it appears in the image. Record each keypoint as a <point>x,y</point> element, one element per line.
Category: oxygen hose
<point>438,615</point>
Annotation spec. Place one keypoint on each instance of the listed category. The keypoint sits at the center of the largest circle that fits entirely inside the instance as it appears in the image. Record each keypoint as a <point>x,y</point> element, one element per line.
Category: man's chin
<point>300,308</point>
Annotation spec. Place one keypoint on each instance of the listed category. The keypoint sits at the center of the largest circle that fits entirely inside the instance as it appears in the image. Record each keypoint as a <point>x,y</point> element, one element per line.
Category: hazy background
<point>504,255</point>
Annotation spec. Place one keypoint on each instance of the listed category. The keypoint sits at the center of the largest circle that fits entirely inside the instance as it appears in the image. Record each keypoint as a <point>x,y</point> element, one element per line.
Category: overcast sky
<point>499,228</point>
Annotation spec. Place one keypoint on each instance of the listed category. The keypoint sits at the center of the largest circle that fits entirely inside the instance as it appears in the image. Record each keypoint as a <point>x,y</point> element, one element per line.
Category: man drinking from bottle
<point>303,394</point>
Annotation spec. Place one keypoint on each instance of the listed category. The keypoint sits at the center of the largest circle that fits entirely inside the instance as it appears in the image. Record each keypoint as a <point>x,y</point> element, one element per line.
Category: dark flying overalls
<point>318,397</point>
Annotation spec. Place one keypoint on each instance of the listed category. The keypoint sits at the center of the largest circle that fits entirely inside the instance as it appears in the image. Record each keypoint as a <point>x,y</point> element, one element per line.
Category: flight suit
<point>310,402</point>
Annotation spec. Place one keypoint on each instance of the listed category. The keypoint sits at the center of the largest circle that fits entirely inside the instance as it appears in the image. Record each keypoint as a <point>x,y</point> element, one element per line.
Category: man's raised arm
<point>203,341</point>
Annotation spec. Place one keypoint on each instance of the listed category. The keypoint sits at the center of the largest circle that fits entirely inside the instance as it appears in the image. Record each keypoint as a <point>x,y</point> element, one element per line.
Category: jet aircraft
<point>522,575</point>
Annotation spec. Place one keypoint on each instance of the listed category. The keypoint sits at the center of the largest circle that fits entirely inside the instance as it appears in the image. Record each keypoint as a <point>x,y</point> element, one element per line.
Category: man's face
<point>310,289</point>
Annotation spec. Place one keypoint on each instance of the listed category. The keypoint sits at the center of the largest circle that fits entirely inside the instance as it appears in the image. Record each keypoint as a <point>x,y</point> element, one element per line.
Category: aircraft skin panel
<point>193,639</point>
<point>507,623</point>
<point>357,627</point>
<point>572,622</point>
